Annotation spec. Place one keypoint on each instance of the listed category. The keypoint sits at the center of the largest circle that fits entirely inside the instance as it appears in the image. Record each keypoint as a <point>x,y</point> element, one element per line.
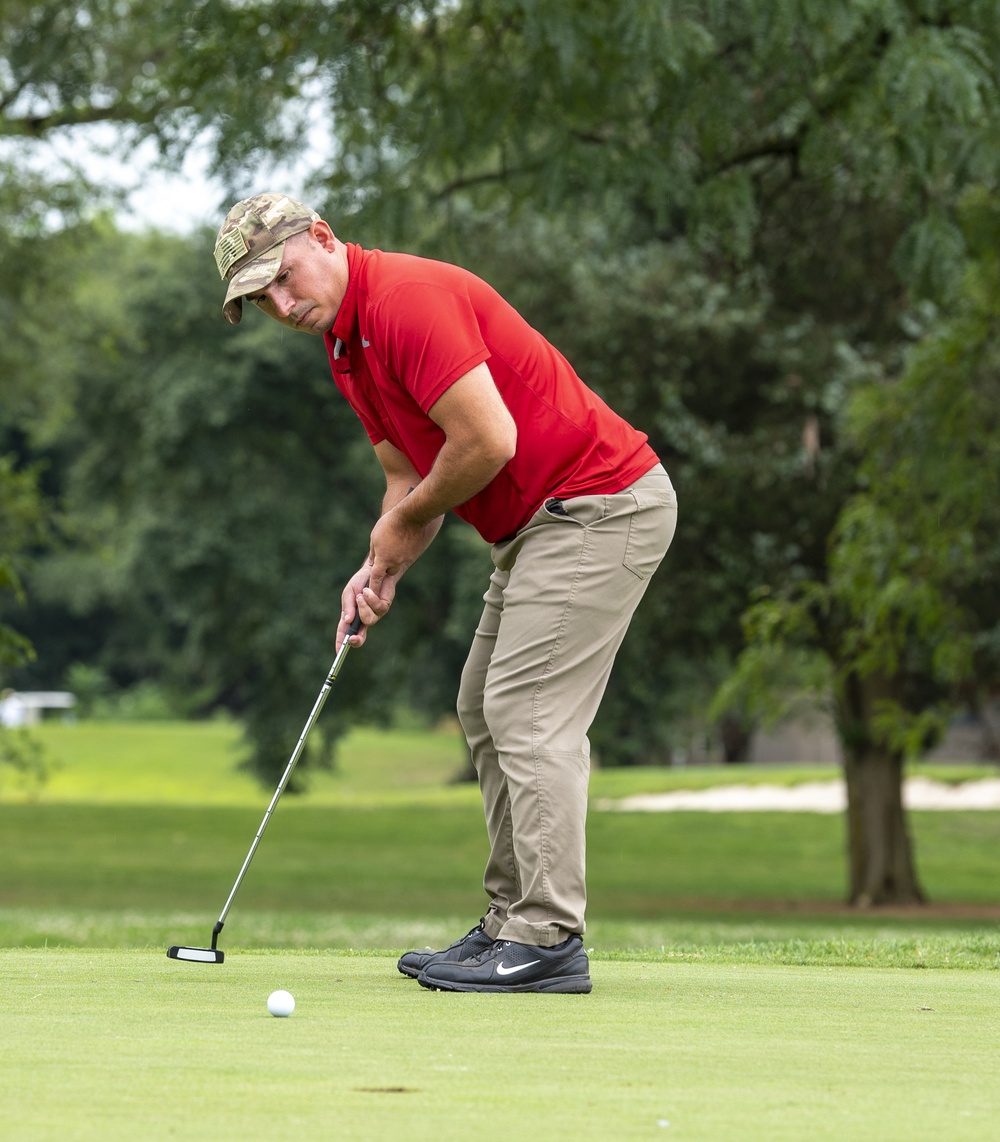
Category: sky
<point>174,200</point>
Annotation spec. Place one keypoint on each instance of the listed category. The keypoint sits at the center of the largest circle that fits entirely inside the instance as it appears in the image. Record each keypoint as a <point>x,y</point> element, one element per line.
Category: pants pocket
<point>650,529</point>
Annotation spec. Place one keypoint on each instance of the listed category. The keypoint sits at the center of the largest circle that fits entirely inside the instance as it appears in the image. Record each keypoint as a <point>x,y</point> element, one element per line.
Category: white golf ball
<point>280,1003</point>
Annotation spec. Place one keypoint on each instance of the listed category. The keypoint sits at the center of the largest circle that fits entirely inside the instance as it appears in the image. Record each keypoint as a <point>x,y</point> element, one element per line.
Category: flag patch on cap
<point>228,250</point>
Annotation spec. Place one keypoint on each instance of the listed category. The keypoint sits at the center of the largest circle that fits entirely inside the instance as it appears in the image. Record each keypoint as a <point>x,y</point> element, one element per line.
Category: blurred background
<point>767,233</point>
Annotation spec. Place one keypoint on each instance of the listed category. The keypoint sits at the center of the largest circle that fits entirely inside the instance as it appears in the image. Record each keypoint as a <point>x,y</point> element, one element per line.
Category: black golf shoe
<point>471,944</point>
<point>508,966</point>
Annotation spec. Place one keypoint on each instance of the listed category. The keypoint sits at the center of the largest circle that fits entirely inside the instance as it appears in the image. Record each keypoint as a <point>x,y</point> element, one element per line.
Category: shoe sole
<point>561,985</point>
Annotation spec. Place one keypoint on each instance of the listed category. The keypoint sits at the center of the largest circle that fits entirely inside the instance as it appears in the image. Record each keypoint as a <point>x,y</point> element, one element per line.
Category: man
<point>471,410</point>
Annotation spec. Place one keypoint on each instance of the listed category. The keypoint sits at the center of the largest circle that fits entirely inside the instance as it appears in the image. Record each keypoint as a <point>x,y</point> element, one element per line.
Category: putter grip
<point>356,621</point>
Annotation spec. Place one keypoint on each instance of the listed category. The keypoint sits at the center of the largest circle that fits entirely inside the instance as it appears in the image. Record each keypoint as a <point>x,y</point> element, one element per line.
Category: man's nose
<point>283,302</point>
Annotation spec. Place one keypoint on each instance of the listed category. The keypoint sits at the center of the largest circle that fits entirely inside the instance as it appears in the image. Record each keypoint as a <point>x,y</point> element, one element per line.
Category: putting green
<point>120,1045</point>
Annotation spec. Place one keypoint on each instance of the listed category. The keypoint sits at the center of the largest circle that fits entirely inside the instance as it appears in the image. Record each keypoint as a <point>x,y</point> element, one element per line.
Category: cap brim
<point>255,275</point>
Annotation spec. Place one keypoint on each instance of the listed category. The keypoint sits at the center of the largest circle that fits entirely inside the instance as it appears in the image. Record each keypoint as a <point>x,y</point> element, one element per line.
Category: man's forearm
<point>399,490</point>
<point>480,438</point>
<point>396,490</point>
<point>459,472</point>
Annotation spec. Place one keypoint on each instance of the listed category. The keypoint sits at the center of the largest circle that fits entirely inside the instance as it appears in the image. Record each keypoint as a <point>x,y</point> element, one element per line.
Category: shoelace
<point>468,935</point>
<point>490,952</point>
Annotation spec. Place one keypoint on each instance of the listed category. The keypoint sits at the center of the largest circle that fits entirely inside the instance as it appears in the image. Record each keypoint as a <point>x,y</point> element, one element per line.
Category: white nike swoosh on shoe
<point>501,970</point>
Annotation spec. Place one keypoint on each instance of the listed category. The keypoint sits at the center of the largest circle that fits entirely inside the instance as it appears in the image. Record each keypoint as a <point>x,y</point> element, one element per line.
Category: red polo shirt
<point>409,327</point>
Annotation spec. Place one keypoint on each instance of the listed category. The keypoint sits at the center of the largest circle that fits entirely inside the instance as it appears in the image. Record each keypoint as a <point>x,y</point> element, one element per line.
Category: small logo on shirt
<point>365,343</point>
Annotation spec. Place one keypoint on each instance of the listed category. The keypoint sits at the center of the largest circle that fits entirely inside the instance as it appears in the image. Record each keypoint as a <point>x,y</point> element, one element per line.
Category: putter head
<point>196,955</point>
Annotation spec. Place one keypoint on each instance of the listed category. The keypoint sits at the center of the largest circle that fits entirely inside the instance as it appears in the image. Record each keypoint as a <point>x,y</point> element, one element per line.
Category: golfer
<point>471,410</point>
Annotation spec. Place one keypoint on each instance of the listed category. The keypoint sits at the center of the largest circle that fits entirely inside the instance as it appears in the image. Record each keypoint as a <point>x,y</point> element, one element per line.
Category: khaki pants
<point>558,606</point>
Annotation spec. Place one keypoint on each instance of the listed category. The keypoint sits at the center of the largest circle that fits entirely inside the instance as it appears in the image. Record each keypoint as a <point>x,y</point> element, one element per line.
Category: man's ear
<point>321,231</point>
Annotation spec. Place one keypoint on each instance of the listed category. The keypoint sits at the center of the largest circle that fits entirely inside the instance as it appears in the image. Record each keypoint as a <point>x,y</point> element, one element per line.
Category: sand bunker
<point>809,797</point>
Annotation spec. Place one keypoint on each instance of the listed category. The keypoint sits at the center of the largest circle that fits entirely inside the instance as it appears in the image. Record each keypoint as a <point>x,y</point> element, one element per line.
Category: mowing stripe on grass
<point>796,940</point>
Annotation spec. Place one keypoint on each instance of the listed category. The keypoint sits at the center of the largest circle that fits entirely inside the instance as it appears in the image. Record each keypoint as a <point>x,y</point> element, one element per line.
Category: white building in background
<point>24,707</point>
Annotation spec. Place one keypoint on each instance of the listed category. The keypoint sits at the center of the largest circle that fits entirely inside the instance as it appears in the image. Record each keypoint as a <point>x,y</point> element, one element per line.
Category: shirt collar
<point>346,323</point>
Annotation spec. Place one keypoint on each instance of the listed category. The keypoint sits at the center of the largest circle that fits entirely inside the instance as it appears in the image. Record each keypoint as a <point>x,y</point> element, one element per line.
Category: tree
<point>750,117</point>
<point>914,564</point>
<point>907,615</point>
<point>785,174</point>
<point>32,406</point>
<point>220,482</point>
<point>21,524</point>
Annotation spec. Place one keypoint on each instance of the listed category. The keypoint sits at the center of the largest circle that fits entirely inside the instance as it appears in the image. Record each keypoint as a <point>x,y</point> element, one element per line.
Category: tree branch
<point>482,179</point>
<point>37,126</point>
<point>770,148</point>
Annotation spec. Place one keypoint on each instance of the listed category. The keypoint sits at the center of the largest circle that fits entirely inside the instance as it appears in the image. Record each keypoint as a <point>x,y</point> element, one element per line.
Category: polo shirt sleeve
<point>429,336</point>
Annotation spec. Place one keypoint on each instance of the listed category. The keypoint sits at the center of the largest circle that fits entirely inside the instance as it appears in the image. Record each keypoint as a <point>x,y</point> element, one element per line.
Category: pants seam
<point>539,785</point>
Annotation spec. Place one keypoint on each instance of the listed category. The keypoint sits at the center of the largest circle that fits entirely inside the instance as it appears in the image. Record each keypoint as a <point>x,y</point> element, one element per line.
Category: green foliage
<point>22,525</point>
<point>22,753</point>
<point>219,483</point>
<point>41,238</point>
<point>682,120</point>
<point>14,647</point>
<point>148,65</point>
<point>220,493</point>
<point>721,213</point>
<point>909,602</point>
<point>145,701</point>
<point>772,682</point>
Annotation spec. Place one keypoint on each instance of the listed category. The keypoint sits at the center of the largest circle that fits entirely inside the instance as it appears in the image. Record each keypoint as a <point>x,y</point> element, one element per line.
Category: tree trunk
<point>736,735</point>
<point>880,854</point>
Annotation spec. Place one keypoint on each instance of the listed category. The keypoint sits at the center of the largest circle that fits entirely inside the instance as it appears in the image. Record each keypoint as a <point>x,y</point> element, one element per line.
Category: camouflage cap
<point>250,244</point>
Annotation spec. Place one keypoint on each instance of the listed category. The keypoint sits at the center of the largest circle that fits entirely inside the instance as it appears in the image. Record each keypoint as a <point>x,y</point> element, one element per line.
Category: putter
<point>214,955</point>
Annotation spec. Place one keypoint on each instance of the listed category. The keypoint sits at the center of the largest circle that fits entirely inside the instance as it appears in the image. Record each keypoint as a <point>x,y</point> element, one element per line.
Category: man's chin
<point>314,322</point>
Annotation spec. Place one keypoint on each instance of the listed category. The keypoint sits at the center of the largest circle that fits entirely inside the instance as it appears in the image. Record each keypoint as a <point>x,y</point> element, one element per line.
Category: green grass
<point>705,938</point>
<point>196,763</point>
<point>734,997</point>
<point>120,1045</point>
<point>715,887</point>
<point>139,836</point>
<point>428,859</point>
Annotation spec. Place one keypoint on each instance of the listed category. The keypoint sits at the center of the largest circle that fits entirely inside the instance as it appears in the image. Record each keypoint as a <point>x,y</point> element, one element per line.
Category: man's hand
<point>358,598</point>
<point>396,544</point>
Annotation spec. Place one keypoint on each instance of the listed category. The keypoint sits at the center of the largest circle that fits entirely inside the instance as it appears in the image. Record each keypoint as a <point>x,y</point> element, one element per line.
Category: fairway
<point>120,1045</point>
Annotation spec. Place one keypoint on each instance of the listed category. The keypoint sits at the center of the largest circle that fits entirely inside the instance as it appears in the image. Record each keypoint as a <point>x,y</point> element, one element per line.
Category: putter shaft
<point>345,646</point>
